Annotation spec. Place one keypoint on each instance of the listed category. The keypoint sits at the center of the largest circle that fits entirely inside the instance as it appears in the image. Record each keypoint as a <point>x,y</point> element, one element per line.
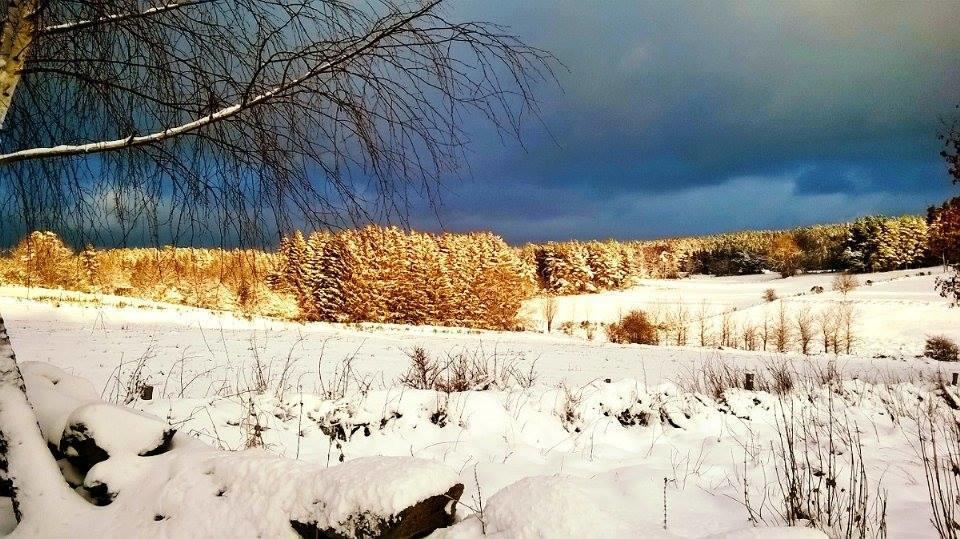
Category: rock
<point>97,431</point>
<point>419,520</point>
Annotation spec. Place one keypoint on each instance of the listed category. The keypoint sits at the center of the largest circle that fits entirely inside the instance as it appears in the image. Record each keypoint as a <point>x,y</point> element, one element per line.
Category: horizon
<point>9,241</point>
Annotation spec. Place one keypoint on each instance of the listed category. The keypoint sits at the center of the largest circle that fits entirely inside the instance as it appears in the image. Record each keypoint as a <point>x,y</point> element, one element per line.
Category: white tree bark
<point>19,28</point>
<point>224,113</point>
<point>26,464</point>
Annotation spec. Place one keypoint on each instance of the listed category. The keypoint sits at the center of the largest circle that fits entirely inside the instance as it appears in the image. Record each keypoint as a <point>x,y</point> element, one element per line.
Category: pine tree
<point>331,281</point>
<point>944,231</point>
<point>90,266</point>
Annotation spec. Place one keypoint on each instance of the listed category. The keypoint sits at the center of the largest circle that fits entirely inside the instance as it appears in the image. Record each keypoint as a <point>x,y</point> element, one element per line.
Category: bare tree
<point>782,335</point>
<point>765,329</point>
<point>726,328</point>
<point>243,116</point>
<point>827,322</point>
<point>703,317</point>
<point>805,329</point>
<point>549,306</point>
<point>750,333</point>
<point>847,325</point>
<point>680,322</point>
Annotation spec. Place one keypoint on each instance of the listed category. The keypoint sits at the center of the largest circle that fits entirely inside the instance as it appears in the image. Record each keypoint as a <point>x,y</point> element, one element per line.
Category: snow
<point>196,490</point>
<point>895,313</point>
<point>115,429</point>
<point>574,455</point>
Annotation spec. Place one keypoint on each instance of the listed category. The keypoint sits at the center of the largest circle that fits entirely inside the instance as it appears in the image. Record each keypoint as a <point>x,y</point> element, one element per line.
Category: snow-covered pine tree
<point>460,273</point>
<point>913,237</point>
<point>499,287</point>
<point>297,257</point>
<point>90,267</point>
<point>331,275</point>
<point>944,231</point>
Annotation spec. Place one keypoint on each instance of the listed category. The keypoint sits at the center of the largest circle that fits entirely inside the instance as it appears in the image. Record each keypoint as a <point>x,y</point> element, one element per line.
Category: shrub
<point>770,295</point>
<point>941,348</point>
<point>635,327</point>
<point>466,371</point>
<point>846,283</point>
<point>589,328</point>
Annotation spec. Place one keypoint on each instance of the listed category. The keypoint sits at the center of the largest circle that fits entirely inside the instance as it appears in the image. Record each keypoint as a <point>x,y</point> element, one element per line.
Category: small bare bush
<point>782,376</point>
<point>713,378</point>
<point>845,283</point>
<point>821,476</point>
<point>589,329</point>
<point>769,295</point>
<point>940,452</point>
<point>941,348</point>
<point>634,328</point>
<point>127,386</point>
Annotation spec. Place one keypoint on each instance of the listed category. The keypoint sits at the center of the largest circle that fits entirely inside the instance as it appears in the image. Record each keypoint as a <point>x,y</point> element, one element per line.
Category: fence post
<point>146,392</point>
<point>954,379</point>
<point>748,382</point>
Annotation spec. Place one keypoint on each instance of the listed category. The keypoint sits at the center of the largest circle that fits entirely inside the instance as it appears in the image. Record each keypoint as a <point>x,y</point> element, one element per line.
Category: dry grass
<point>466,371</point>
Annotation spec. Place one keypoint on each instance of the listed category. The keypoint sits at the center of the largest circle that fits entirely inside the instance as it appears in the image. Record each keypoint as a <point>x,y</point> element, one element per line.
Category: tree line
<point>391,275</point>
<point>868,244</point>
<point>372,274</point>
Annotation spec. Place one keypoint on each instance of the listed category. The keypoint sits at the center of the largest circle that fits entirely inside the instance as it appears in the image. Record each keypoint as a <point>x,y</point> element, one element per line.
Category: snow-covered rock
<point>99,430</point>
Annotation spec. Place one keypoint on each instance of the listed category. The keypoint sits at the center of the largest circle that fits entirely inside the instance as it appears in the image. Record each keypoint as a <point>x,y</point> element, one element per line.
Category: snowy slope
<point>894,314</point>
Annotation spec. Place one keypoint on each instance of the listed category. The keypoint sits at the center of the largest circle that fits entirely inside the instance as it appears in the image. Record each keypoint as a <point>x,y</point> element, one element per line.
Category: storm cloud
<point>679,118</point>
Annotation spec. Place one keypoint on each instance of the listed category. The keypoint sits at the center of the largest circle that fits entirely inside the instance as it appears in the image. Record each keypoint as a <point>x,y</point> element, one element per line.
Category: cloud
<point>533,213</point>
<point>662,101</point>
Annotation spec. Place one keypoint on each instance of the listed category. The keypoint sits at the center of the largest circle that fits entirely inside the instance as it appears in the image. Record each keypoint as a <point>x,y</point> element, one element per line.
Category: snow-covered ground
<point>895,311</point>
<point>574,455</point>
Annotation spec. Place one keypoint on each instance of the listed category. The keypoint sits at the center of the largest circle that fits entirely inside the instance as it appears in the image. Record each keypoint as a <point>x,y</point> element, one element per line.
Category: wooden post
<point>146,392</point>
<point>954,379</point>
<point>748,382</point>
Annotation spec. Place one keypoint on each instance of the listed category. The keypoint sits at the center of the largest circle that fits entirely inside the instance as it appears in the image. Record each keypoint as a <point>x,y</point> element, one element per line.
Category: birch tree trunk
<point>19,26</point>
<point>28,472</point>
<point>27,469</point>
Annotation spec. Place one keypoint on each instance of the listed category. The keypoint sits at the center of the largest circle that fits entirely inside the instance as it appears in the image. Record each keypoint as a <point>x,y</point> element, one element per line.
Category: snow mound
<point>188,489</point>
<point>54,395</point>
<point>556,506</point>
<point>117,430</point>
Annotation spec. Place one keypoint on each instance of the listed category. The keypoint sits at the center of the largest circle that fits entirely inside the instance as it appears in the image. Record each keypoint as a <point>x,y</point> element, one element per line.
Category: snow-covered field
<point>612,440</point>
<point>895,310</point>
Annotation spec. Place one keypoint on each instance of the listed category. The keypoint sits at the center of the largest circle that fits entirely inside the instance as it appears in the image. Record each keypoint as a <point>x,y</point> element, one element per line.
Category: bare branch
<point>240,119</point>
<point>116,17</point>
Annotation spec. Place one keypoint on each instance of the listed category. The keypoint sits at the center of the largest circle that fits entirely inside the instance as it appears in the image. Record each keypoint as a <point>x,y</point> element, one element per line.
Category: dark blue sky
<point>681,117</point>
